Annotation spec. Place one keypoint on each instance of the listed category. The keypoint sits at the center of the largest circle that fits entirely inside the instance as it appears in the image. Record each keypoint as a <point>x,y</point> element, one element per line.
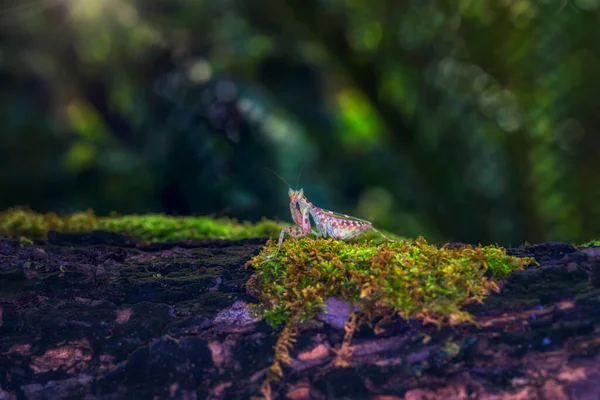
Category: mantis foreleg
<point>296,231</point>
<point>296,214</point>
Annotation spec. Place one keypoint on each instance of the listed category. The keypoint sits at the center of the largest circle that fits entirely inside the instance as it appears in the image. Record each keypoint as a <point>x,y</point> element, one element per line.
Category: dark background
<point>462,120</point>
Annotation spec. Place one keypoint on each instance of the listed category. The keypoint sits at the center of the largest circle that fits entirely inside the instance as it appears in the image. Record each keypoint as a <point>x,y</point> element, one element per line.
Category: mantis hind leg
<point>382,235</point>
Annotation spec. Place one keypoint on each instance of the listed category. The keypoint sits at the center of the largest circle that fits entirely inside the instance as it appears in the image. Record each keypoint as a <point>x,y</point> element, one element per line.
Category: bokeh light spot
<point>361,126</point>
<point>85,120</point>
<point>509,119</point>
<point>200,71</point>
<point>86,9</point>
<point>79,156</point>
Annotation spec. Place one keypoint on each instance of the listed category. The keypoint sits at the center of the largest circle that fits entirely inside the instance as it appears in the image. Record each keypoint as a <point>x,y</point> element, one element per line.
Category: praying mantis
<point>328,223</point>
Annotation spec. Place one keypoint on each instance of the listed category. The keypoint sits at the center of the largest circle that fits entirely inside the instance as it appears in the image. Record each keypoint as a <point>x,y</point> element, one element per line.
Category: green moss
<point>590,243</point>
<point>24,241</point>
<point>411,278</point>
<point>150,227</point>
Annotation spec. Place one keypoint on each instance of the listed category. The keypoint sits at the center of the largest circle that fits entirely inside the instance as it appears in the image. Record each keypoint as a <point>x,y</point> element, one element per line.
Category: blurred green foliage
<point>460,120</point>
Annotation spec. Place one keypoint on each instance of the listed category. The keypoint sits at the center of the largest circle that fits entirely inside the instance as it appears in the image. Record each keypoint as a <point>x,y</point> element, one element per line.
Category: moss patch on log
<point>147,227</point>
<point>591,243</point>
<point>408,278</point>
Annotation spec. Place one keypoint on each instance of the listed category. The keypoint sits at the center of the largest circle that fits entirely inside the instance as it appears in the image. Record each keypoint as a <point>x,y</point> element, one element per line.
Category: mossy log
<point>102,315</point>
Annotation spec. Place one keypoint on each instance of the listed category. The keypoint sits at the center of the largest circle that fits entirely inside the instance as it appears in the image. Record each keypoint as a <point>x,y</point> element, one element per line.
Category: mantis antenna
<point>298,179</point>
<point>279,176</point>
<point>286,182</point>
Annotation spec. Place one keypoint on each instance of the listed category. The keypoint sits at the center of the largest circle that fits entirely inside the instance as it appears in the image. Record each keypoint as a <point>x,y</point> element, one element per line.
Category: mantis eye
<point>301,192</point>
<point>290,192</point>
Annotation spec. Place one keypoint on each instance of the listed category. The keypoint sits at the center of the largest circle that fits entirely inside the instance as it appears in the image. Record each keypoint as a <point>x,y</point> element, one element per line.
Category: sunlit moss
<point>409,278</point>
<point>590,243</point>
<point>150,227</point>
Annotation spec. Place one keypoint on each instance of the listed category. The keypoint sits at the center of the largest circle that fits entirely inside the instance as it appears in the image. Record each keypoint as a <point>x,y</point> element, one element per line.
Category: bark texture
<point>99,315</point>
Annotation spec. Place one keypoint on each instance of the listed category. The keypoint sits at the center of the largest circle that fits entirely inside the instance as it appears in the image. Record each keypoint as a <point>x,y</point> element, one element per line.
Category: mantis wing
<point>344,216</point>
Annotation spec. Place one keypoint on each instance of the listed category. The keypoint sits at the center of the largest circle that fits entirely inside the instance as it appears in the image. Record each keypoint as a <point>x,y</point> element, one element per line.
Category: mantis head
<point>295,195</point>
